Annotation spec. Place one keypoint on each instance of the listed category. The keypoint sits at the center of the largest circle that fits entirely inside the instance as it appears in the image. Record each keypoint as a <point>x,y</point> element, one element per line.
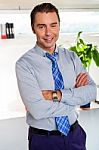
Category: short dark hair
<point>44,7</point>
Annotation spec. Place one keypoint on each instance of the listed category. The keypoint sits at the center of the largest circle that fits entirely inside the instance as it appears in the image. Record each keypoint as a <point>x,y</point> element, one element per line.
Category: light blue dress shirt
<point>34,74</point>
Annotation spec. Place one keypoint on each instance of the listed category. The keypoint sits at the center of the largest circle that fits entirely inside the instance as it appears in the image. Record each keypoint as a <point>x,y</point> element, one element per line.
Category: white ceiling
<point>61,4</point>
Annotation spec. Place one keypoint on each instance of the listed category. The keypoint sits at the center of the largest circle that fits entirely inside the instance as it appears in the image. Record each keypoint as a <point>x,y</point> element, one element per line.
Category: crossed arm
<point>81,80</point>
<point>40,104</point>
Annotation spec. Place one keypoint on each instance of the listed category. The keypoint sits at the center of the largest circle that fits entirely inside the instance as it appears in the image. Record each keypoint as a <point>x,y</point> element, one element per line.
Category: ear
<point>33,30</point>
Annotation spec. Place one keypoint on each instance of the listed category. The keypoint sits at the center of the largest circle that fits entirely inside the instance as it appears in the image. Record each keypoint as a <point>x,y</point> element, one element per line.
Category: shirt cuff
<point>66,95</point>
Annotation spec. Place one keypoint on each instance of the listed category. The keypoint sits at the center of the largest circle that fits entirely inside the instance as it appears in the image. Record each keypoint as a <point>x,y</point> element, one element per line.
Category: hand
<point>47,94</point>
<point>81,80</point>
<point>59,94</point>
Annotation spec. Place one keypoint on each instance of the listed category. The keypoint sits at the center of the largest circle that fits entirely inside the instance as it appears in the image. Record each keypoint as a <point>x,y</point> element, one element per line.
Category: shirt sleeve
<point>32,96</point>
<point>81,95</point>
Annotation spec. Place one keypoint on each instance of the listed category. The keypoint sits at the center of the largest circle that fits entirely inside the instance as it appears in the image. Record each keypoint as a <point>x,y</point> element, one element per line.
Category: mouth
<point>48,40</point>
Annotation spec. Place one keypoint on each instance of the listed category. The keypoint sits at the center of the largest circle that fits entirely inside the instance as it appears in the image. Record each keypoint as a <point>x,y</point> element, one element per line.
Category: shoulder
<point>67,52</point>
<point>23,64</point>
<point>24,59</point>
<point>73,57</point>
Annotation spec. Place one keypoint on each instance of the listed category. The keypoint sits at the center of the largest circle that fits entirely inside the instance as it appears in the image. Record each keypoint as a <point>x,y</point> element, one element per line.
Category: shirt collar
<point>42,52</point>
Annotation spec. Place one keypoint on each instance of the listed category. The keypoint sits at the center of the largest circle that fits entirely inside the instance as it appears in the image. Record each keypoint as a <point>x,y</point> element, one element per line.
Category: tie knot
<point>52,57</point>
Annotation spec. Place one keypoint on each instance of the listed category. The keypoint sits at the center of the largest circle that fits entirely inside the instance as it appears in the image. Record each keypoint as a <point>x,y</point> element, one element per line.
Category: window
<point>79,21</point>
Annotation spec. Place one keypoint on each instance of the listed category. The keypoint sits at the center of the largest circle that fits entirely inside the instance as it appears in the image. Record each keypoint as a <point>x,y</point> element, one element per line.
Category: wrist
<point>54,96</point>
<point>57,95</point>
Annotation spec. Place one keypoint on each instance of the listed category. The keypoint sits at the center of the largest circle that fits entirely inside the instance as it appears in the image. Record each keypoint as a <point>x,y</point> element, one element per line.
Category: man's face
<point>46,28</point>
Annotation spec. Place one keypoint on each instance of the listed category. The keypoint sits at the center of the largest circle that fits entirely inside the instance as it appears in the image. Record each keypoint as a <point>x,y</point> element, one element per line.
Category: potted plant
<point>87,53</point>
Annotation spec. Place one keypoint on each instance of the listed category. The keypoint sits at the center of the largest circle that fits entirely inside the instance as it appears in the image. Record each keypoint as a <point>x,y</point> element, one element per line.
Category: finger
<point>85,83</point>
<point>80,77</point>
<point>82,83</point>
<point>83,80</point>
<point>77,80</point>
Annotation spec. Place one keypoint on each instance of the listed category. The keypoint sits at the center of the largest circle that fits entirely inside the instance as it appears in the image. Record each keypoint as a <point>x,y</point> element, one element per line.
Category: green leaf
<point>79,33</point>
<point>96,57</point>
<point>73,48</point>
<point>82,42</point>
<point>89,46</point>
<point>86,52</point>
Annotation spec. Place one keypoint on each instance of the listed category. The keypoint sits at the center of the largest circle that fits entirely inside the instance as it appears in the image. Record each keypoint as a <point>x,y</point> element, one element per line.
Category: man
<point>52,82</point>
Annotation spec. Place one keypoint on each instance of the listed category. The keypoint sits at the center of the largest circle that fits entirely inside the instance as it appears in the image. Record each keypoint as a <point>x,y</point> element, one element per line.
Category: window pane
<point>79,21</point>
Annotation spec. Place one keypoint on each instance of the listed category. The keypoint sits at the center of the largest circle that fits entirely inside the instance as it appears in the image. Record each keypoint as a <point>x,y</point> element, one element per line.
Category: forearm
<point>83,92</point>
<point>46,109</point>
<point>79,96</point>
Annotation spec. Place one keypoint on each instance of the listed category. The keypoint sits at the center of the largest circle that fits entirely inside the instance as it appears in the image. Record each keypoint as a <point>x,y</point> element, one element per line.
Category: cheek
<point>39,38</point>
<point>40,34</point>
<point>56,32</point>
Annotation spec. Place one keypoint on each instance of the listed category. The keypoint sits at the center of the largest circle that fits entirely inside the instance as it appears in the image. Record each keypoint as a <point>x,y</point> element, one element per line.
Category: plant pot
<point>85,106</point>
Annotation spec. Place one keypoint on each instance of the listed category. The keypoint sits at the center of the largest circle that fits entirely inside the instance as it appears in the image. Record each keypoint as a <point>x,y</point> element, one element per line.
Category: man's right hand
<point>48,94</point>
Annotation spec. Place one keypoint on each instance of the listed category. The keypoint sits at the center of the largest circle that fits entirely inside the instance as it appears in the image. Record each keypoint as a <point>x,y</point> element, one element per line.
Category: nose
<point>48,31</point>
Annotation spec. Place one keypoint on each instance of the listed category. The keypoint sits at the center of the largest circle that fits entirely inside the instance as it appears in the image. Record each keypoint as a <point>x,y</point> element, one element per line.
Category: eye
<point>40,27</point>
<point>53,25</point>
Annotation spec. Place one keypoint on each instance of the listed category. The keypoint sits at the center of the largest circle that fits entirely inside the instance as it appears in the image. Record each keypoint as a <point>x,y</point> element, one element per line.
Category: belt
<point>53,132</point>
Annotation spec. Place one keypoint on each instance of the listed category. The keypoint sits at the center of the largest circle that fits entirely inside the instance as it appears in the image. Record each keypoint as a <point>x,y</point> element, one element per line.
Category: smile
<point>48,40</point>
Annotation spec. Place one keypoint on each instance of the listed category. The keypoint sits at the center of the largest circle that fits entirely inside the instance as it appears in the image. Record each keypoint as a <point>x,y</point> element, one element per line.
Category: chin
<point>49,45</point>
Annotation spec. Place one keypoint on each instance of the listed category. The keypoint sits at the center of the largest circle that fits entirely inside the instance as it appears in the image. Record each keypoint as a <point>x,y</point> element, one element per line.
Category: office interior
<point>75,15</point>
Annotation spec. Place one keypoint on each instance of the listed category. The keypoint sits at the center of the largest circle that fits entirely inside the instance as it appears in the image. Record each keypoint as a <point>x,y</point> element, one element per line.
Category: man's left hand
<point>81,80</point>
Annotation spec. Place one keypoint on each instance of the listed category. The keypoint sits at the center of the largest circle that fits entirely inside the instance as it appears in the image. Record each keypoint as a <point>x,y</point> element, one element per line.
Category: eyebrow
<point>40,24</point>
<point>54,23</point>
<point>45,24</point>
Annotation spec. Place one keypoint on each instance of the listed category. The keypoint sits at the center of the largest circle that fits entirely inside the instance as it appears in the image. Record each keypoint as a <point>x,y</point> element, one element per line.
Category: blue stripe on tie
<point>62,122</point>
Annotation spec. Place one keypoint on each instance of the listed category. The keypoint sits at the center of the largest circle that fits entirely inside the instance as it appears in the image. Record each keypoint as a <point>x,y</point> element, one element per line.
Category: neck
<point>49,50</point>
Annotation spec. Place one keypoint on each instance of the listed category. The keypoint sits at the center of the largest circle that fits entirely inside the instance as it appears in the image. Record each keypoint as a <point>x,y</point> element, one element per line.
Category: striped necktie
<point>62,122</point>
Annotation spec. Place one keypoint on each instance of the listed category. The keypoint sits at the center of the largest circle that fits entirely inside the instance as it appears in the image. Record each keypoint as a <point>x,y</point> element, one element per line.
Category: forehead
<point>43,17</point>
